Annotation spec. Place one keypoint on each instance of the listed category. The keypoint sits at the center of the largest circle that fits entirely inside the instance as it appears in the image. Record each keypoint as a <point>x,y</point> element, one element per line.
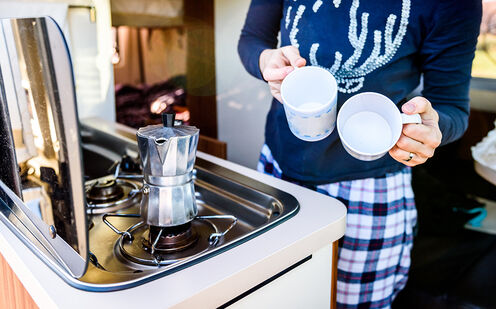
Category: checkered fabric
<point>374,254</point>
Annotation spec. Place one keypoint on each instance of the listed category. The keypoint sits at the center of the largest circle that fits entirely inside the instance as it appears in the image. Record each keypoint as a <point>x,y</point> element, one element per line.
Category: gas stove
<point>142,244</point>
<point>126,251</point>
<point>104,206</point>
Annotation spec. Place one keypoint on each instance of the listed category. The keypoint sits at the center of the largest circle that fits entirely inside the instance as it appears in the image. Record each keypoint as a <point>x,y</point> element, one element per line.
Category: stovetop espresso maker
<point>168,155</point>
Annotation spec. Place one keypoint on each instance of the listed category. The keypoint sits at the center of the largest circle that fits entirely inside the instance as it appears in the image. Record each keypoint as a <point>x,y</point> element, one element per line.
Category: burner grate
<point>140,251</point>
<point>159,246</point>
<point>108,194</point>
<point>104,191</point>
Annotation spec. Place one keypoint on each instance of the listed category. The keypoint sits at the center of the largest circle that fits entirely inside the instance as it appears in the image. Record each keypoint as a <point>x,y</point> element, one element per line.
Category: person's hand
<point>275,64</point>
<point>418,141</point>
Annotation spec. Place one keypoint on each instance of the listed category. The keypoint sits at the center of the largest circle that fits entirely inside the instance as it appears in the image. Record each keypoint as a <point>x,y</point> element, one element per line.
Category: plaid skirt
<point>374,254</point>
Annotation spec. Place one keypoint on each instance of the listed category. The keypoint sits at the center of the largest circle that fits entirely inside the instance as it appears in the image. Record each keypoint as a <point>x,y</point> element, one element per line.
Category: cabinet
<point>310,283</point>
<point>13,293</point>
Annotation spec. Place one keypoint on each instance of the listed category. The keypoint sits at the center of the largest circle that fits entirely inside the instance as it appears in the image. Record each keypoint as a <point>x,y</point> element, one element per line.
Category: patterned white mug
<point>309,96</point>
<point>370,124</point>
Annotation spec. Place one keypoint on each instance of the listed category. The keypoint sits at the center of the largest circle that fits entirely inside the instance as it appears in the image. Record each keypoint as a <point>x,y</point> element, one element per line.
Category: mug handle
<point>415,118</point>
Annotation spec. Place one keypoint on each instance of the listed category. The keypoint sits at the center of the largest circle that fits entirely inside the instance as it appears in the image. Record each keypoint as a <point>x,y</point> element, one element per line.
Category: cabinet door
<point>13,294</point>
<point>306,286</point>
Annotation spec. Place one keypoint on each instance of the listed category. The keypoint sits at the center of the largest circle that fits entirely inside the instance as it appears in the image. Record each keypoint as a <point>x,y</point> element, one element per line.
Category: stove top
<point>125,251</point>
<point>145,245</point>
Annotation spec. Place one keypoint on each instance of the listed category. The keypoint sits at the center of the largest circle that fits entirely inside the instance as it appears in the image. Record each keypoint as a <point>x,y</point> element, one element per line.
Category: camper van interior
<point>137,79</point>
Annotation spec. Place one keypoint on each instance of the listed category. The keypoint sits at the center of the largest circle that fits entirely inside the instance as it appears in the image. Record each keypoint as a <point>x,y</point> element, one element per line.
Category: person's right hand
<point>276,64</point>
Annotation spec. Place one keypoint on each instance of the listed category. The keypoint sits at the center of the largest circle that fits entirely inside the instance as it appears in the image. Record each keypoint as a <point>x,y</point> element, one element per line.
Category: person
<point>382,47</point>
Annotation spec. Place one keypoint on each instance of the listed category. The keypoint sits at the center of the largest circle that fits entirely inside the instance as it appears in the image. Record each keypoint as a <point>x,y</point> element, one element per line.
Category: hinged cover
<point>40,145</point>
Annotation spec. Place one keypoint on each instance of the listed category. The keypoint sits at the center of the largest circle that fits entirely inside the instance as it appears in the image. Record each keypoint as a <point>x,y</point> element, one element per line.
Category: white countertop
<point>208,284</point>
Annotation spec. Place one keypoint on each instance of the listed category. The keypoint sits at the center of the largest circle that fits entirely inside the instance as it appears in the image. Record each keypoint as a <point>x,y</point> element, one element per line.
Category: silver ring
<point>410,157</point>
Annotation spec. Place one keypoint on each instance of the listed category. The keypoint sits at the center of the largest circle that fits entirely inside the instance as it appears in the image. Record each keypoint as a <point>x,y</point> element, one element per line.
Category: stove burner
<point>170,239</point>
<point>105,190</point>
<point>158,246</point>
<point>108,194</point>
<point>184,243</point>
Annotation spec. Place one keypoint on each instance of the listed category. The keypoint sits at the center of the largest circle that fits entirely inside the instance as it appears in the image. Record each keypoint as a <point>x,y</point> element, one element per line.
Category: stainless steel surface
<point>232,209</point>
<point>168,154</point>
<point>169,205</point>
<point>167,151</point>
<point>256,206</point>
<point>20,220</point>
<point>169,180</point>
<point>40,133</point>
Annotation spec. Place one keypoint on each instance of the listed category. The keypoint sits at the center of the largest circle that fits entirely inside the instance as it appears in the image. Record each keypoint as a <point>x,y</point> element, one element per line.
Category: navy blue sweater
<point>380,46</point>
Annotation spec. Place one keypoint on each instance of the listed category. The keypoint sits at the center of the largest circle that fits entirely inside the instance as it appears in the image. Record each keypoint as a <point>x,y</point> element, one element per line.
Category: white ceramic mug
<point>309,97</point>
<point>370,124</point>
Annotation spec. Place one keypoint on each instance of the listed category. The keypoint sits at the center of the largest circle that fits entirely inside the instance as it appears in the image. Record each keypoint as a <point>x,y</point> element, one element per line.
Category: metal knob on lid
<point>168,119</point>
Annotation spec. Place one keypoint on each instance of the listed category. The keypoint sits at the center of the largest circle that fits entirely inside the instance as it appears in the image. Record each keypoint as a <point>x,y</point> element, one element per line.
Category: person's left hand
<point>418,141</point>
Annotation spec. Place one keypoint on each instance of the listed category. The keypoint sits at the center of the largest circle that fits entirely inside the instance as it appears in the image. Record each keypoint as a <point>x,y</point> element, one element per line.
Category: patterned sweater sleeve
<point>446,59</point>
<point>259,33</point>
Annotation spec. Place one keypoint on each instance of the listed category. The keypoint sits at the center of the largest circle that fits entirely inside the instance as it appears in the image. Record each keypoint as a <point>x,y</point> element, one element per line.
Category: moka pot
<point>168,156</point>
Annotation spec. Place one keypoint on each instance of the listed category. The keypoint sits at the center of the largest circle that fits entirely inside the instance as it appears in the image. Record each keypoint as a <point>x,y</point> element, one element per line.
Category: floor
<point>452,267</point>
